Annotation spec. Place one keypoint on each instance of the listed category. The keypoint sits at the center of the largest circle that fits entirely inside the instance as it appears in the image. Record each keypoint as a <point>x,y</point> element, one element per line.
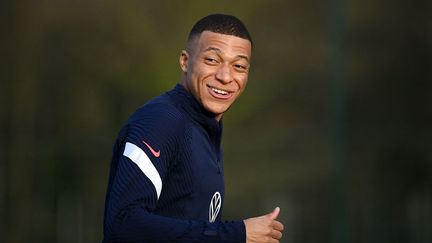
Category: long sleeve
<point>139,225</point>
<point>143,156</point>
<point>135,221</point>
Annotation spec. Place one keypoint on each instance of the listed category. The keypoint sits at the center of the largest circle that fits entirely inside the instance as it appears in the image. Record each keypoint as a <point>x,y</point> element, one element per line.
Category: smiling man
<point>215,69</point>
<point>166,179</point>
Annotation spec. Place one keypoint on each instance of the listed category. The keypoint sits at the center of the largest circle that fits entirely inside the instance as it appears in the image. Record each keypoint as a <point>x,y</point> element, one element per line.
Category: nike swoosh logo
<point>154,152</point>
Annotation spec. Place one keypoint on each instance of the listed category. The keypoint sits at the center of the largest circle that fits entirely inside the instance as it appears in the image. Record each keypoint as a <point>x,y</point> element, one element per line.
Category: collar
<point>193,108</point>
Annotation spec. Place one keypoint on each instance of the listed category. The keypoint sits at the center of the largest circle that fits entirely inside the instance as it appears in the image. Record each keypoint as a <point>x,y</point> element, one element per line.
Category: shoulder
<point>158,112</point>
<point>159,122</point>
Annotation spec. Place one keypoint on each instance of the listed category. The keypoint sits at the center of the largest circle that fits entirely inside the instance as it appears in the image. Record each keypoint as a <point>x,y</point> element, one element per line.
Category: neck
<point>218,117</point>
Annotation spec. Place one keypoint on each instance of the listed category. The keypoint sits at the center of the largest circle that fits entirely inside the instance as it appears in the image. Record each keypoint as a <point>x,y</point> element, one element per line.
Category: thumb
<point>273,215</point>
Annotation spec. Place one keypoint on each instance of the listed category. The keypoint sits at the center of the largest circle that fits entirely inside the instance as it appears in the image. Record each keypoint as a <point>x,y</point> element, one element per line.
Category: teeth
<point>219,91</point>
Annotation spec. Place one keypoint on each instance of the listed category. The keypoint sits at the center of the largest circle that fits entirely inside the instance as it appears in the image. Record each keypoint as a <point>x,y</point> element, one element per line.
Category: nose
<point>224,74</point>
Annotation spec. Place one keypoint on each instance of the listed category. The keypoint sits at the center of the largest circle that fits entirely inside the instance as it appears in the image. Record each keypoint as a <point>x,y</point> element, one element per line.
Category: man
<point>166,178</point>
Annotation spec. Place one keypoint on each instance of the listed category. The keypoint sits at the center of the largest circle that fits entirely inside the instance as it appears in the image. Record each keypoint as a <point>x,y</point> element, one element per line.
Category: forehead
<point>228,44</point>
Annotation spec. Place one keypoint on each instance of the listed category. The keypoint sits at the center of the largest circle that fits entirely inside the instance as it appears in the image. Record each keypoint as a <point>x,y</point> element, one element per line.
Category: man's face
<point>215,70</point>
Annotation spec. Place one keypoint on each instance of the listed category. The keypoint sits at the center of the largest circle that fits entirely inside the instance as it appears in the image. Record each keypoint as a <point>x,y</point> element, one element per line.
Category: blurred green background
<point>334,127</point>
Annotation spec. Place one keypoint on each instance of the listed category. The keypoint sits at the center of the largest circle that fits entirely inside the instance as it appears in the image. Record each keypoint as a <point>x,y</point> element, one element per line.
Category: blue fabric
<point>189,163</point>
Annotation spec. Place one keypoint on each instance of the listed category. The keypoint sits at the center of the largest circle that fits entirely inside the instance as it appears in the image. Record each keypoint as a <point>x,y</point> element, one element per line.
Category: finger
<point>275,213</point>
<point>277,225</point>
<point>275,234</point>
<point>273,241</point>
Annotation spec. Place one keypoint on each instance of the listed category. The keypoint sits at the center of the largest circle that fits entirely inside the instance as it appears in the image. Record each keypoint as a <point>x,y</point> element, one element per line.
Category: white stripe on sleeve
<point>140,158</point>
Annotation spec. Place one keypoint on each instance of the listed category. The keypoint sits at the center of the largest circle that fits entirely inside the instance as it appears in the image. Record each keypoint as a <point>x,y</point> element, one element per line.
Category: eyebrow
<point>211,48</point>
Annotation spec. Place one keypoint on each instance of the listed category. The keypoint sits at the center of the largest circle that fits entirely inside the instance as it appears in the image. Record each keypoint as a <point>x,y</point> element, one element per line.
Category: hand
<point>264,228</point>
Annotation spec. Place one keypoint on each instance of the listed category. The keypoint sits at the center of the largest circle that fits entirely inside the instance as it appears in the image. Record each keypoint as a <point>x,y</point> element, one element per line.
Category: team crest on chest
<point>215,205</point>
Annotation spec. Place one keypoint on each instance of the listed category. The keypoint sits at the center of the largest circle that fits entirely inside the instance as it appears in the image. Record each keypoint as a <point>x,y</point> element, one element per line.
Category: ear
<point>183,60</point>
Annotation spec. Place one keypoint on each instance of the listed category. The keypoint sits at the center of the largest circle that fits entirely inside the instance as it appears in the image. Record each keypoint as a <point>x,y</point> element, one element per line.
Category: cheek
<point>242,83</point>
<point>198,83</point>
<point>194,78</point>
<point>196,75</point>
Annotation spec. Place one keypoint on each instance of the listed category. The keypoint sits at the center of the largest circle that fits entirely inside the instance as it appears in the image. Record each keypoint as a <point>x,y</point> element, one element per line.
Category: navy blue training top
<point>166,178</point>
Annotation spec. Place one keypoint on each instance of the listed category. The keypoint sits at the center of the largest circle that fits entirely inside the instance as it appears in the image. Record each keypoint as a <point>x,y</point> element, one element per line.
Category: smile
<point>219,93</point>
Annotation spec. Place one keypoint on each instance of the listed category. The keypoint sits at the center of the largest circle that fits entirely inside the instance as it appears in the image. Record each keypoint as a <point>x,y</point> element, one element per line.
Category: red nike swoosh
<point>156,154</point>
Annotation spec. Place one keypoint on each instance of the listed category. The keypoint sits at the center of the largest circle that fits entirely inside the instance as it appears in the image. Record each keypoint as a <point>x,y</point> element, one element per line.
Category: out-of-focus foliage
<point>73,71</point>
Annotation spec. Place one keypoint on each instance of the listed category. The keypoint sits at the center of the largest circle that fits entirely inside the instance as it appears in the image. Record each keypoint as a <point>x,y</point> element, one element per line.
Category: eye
<point>211,60</point>
<point>240,67</point>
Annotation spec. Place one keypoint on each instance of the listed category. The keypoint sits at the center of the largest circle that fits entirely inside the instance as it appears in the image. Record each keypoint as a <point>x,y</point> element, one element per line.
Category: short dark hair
<point>222,24</point>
